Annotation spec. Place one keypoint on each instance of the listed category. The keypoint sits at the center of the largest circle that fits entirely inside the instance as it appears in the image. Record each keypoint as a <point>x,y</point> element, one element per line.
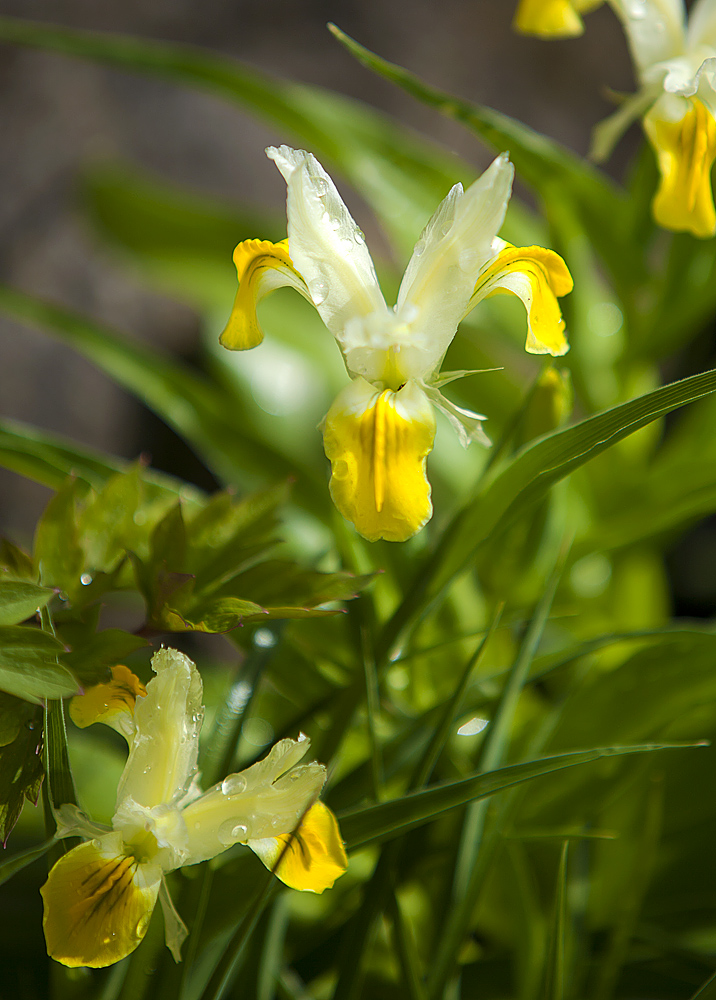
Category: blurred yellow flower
<point>675,59</point>
<point>99,897</point>
<point>552,18</point>
<point>380,428</point>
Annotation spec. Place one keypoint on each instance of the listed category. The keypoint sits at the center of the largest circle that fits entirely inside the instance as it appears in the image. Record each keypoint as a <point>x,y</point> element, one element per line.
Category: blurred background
<point>62,118</point>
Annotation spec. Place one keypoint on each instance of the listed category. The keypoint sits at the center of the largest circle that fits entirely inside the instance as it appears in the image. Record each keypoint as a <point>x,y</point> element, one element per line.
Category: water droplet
<point>419,248</point>
<point>147,769</point>
<point>264,638</point>
<point>301,738</point>
<point>358,237</point>
<point>141,929</point>
<point>446,227</point>
<point>320,186</point>
<point>63,596</point>
<point>231,832</point>
<point>85,579</point>
<point>335,223</point>
<point>276,822</point>
<point>233,785</point>
<point>319,290</point>
<point>468,260</point>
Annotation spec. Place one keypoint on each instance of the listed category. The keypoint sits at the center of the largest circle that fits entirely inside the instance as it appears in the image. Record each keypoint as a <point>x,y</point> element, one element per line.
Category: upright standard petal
<point>447,259</point>
<point>655,30</point>
<point>702,24</point>
<point>538,277</point>
<point>312,858</point>
<point>377,444</point>
<point>97,904</point>
<point>327,247</point>
<point>163,753</point>
<point>111,702</point>
<point>552,18</point>
<point>262,267</point>
<point>685,151</point>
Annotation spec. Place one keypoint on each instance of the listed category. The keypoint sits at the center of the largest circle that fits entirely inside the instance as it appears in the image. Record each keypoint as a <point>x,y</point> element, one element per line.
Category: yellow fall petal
<point>261,267</point>
<point>112,702</point>
<point>551,18</point>
<point>97,905</point>
<point>538,277</point>
<point>312,858</point>
<point>377,444</point>
<point>685,152</point>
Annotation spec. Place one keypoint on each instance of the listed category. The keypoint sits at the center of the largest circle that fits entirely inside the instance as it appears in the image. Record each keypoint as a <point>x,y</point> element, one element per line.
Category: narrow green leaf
<point>707,991</point>
<point>556,965</point>
<point>540,161</point>
<point>19,861</point>
<point>375,823</point>
<point>514,488</point>
<point>20,600</point>
<point>29,667</point>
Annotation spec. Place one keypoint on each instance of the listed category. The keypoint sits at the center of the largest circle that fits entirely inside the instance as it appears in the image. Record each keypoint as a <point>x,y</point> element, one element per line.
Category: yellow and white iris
<point>552,18</point>
<point>675,59</point>
<point>380,428</point>
<point>99,897</point>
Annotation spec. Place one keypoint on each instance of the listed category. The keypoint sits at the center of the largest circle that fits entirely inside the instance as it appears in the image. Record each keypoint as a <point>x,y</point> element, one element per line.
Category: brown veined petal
<point>111,702</point>
<point>685,150</point>
<point>261,267</point>
<point>538,277</point>
<point>98,903</point>
<point>312,858</point>
<point>377,443</point>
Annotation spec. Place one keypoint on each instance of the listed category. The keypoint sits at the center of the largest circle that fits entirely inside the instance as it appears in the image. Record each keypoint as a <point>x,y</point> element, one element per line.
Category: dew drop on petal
<point>233,785</point>
<point>319,290</point>
<point>320,186</point>
<point>86,579</point>
<point>468,260</point>
<point>446,227</point>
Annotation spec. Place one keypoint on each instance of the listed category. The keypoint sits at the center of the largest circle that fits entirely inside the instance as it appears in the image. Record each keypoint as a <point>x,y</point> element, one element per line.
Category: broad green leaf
<point>29,667</point>
<point>91,658</point>
<point>14,714</point>
<point>552,170</point>
<point>372,824</point>
<point>20,600</point>
<point>510,491</point>
<point>20,773</point>
<point>58,553</point>
<point>16,563</point>
<point>223,615</point>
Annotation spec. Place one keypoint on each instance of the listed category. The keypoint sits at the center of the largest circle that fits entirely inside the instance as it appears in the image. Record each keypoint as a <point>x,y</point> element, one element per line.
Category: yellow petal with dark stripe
<point>538,277</point>
<point>312,858</point>
<point>97,904</point>
<point>551,18</point>
<point>685,151</point>
<point>377,443</point>
<point>112,703</point>
<point>261,267</point>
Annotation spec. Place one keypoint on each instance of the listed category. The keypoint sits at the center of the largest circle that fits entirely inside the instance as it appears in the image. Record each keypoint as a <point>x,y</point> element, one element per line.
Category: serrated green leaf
<point>90,660</point>
<point>20,600</point>
<point>375,823</point>
<point>20,773</point>
<point>224,614</point>
<point>57,551</point>
<point>29,667</point>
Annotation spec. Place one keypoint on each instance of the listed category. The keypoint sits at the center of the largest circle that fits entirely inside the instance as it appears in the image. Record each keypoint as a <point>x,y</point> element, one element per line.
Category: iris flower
<point>380,428</point>
<point>99,896</point>
<point>675,59</point>
<point>552,18</point>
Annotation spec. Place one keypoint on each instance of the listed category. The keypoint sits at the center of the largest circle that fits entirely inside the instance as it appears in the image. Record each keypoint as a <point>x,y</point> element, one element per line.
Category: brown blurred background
<point>58,114</point>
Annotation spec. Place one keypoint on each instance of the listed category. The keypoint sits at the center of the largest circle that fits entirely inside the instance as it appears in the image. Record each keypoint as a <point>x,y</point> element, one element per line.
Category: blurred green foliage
<point>516,729</point>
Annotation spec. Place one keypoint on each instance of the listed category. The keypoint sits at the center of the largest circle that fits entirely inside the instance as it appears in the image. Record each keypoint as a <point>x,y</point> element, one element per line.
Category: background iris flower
<point>380,428</point>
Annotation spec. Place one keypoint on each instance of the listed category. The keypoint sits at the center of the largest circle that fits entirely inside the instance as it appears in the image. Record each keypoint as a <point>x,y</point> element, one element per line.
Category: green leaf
<point>29,667</point>
<point>223,615</point>
<point>209,416</point>
<point>57,551</point>
<point>540,161</point>
<point>17,862</point>
<point>375,823</point>
<point>20,773</point>
<point>510,491</point>
<point>20,600</point>
<point>49,459</point>
<point>91,658</point>
<point>14,714</point>
<point>16,563</point>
